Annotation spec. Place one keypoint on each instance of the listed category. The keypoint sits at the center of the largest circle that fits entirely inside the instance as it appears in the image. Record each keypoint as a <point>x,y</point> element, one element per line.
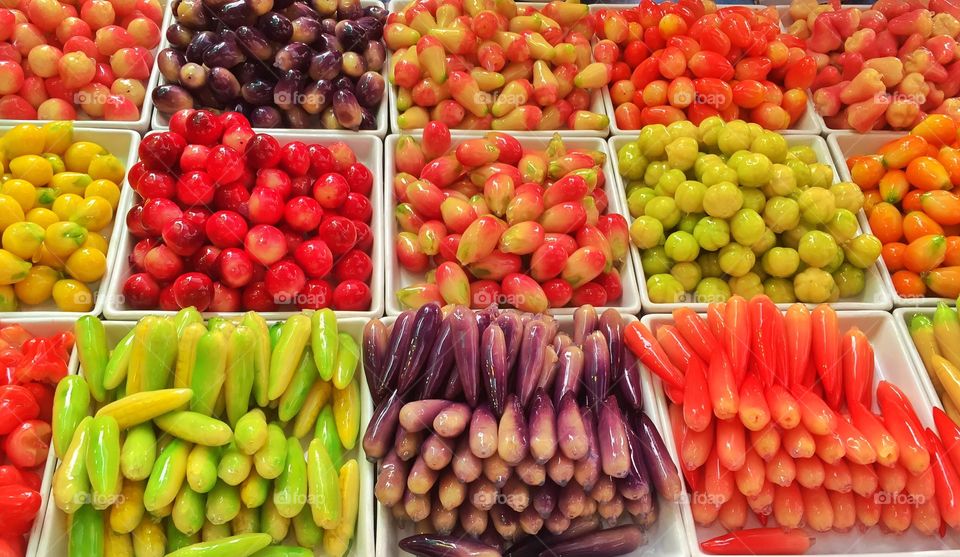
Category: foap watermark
<point>900,498</point>
<point>98,500</point>
<point>687,98</point>
<point>702,498</point>
<point>485,500</point>
<point>484,298</point>
<point>888,98</point>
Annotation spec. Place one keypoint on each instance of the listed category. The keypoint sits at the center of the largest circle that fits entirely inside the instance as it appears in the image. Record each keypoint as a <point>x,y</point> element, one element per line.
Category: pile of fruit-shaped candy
<point>687,60</point>
<point>883,67</point>
<point>55,208</point>
<point>492,221</point>
<point>29,367</point>
<point>56,57</point>
<point>232,219</point>
<point>729,208</point>
<point>231,431</point>
<point>498,66</point>
<point>328,58</point>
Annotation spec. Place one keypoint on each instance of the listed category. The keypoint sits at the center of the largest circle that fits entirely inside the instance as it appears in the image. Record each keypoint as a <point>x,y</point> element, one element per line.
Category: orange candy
<point>870,200</point>
<point>952,257</point>
<point>892,254</point>
<point>928,174</point>
<point>894,185</point>
<point>899,152</point>
<point>886,222</point>
<point>912,202</point>
<point>917,224</point>
<point>908,285</point>
<point>866,171</point>
<point>941,206</point>
<point>925,253</point>
<point>950,159</point>
<point>937,129</point>
<point>944,281</point>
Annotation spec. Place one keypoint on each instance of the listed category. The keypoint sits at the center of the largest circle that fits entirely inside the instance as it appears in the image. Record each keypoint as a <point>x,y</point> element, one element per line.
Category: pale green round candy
<point>712,233</point>
<point>646,232</point>
<point>843,226</point>
<point>816,205</point>
<point>688,273</point>
<point>681,246</point>
<point>652,141</point>
<point>747,227</point>
<point>637,200</point>
<point>782,181</point>
<point>682,153</point>
<point>817,248</point>
<point>767,241</point>
<point>722,200</point>
<point>781,213</point>
<point>748,285</point>
<point>711,290</point>
<point>670,180</point>
<point>847,195</point>
<point>716,174</point>
<point>689,196</point>
<point>736,260</point>
<point>772,145</point>
<point>655,261</point>
<point>709,262</point>
<point>709,129</point>
<point>664,209</point>
<point>664,289</point>
<point>779,290</point>
<point>754,170</point>
<point>863,250</point>
<point>683,128</point>
<point>850,280</point>
<point>654,171</point>
<point>734,137</point>
<point>754,199</point>
<point>804,153</point>
<point>780,262</point>
<point>813,286</point>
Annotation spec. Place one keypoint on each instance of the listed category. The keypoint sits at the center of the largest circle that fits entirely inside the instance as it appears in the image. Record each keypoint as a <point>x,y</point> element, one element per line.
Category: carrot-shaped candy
<point>718,482</point>
<point>922,486</point>
<point>736,334</point>
<point>697,407</point>
<point>888,393</point>
<point>817,510</point>
<point>896,516</point>
<point>797,333</point>
<point>784,408</point>
<point>892,479</point>
<point>695,447</point>
<point>837,476</point>
<point>676,348</point>
<point>766,441</point>
<point>826,352</point>
<point>810,472</point>
<point>733,513</point>
<point>815,414</point>
<point>868,510</point>
<point>754,411</point>
<point>704,511</point>
<point>798,442</point>
<point>863,479</point>
<point>780,469</point>
<point>830,448</point>
<point>949,434</point>
<point>731,448</point>
<point>946,479</point>
<point>844,510</point>
<point>788,505</point>
<point>715,318</point>
<point>857,363</point>
<point>764,317</point>
<point>696,332</point>
<point>762,503</point>
<point>857,447</point>
<point>645,347</point>
<point>902,424</point>
<point>926,516</point>
<point>888,452</point>
<point>752,475</point>
<point>759,541</point>
<point>723,388</point>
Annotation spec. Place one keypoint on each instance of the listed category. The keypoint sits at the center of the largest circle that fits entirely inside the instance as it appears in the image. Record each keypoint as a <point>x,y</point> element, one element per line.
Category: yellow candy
<point>57,136</point>
<point>72,295</point>
<point>37,286</point>
<point>48,259</point>
<point>43,217</point>
<point>78,156</point>
<point>8,298</point>
<point>106,189</point>
<point>64,238</point>
<point>55,162</point>
<point>66,205</point>
<point>10,211</point>
<point>107,167</point>
<point>12,268</point>
<point>21,190</point>
<point>70,182</point>
<point>25,139</point>
<point>94,213</point>
<point>32,168</point>
<point>46,197</point>
<point>87,264</point>
<point>96,241</point>
<point>23,239</point>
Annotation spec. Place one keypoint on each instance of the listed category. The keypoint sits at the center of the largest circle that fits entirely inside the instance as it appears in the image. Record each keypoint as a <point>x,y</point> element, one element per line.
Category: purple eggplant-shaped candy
<point>391,479</point>
<point>453,388</point>
<point>629,384</point>
<point>453,420</point>
<point>439,363</point>
<point>549,372</point>
<point>379,437</point>
<point>407,443</point>
<point>569,372</point>
<point>587,469</point>
<point>505,521</point>
<point>347,109</point>
<point>637,483</point>
<point>483,432</point>
<point>466,337</point>
<point>611,542</point>
<point>419,414</point>
<point>571,431</point>
<point>596,368</point>
<point>400,337</point>
<point>584,322</point>
<point>561,341</point>
<point>661,467</point>
<point>533,545</point>
<point>542,426</point>
<point>493,366</point>
<point>545,499</point>
<point>509,322</point>
<point>374,349</point>
<point>532,349</point>
<point>425,324</point>
<point>613,437</point>
<point>512,436</point>
<point>432,545</point>
<point>466,466</point>
<point>611,325</point>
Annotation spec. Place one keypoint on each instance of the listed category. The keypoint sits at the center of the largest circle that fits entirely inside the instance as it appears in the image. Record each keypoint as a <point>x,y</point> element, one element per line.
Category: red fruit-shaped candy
<point>710,64</point>
<point>477,152</point>
<point>263,151</point>
<point>161,151</point>
<point>316,294</point>
<point>295,158</point>
<point>224,299</point>
<point>206,261</point>
<point>195,188</point>
<point>591,293</point>
<point>524,293</point>
<point>266,206</point>
<point>224,165</point>
<point>266,244</point>
<point>226,229</point>
<point>237,137</point>
<point>236,267</point>
<point>359,178</point>
<point>522,238</point>
<point>409,254</point>
<point>480,239</point>
<point>194,157</point>
<point>457,214</point>
<point>617,233</point>
<point>425,198</point>
<point>275,179</point>
<point>256,298</point>
<point>611,283</point>
<point>284,280</point>
<point>156,185</point>
<point>203,127</point>
<point>141,291</point>
<point>193,289</point>
<point>303,213</point>
<point>357,207</point>
<point>157,213</point>
<point>564,217</point>
<point>548,261</point>
<point>584,265</point>
<point>351,295</point>
<point>364,241</point>
<point>453,283</point>
<point>442,171</point>
<point>354,265</point>
<point>183,237</point>
<point>558,292</point>
<point>339,233</point>
<point>343,156</point>
<point>483,293</point>
<point>315,257</point>
<point>496,266</point>
<point>569,188</point>
<point>436,139</point>
<point>330,190</point>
